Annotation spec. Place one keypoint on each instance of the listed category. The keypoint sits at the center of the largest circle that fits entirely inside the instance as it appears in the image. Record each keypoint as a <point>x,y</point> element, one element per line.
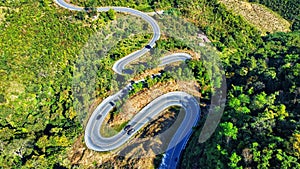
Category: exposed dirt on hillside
<point>146,142</point>
<point>140,152</point>
<point>141,99</point>
<point>263,18</point>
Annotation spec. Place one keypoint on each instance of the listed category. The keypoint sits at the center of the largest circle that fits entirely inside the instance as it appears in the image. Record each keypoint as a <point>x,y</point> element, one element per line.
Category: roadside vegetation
<point>40,47</point>
<point>142,5</point>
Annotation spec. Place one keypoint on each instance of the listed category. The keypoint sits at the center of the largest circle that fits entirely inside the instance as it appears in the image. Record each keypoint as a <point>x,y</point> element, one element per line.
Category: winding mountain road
<point>95,141</point>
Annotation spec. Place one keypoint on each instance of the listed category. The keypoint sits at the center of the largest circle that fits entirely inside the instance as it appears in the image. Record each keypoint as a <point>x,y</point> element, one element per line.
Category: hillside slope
<point>258,15</point>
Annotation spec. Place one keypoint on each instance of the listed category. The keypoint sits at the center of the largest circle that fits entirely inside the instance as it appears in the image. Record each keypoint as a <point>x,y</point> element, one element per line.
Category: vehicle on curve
<point>132,82</point>
<point>126,128</point>
<point>112,103</point>
<point>99,116</point>
<point>148,47</point>
<point>130,131</point>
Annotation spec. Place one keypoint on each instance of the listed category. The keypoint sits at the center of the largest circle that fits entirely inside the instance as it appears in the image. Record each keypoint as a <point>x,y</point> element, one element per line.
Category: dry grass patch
<point>260,16</point>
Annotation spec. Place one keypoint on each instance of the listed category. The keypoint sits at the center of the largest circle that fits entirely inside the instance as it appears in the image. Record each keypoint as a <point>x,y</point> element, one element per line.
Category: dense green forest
<point>260,126</point>
<point>41,42</point>
<point>37,46</point>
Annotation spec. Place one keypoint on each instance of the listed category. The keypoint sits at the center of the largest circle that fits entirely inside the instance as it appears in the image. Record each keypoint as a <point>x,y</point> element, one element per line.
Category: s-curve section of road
<point>95,141</point>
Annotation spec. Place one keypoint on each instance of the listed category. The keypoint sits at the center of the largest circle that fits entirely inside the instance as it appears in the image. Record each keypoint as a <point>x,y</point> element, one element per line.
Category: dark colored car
<point>99,116</point>
<point>129,132</point>
<point>112,104</point>
<point>126,128</point>
<point>132,82</point>
<point>176,159</point>
<point>148,46</point>
<point>89,9</point>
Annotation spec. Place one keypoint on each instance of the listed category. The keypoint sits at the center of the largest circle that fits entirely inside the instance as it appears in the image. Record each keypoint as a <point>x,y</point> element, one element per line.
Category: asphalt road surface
<point>95,141</point>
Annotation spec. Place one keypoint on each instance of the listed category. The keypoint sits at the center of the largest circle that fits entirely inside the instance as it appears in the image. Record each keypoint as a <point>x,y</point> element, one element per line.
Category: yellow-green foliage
<point>2,14</point>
